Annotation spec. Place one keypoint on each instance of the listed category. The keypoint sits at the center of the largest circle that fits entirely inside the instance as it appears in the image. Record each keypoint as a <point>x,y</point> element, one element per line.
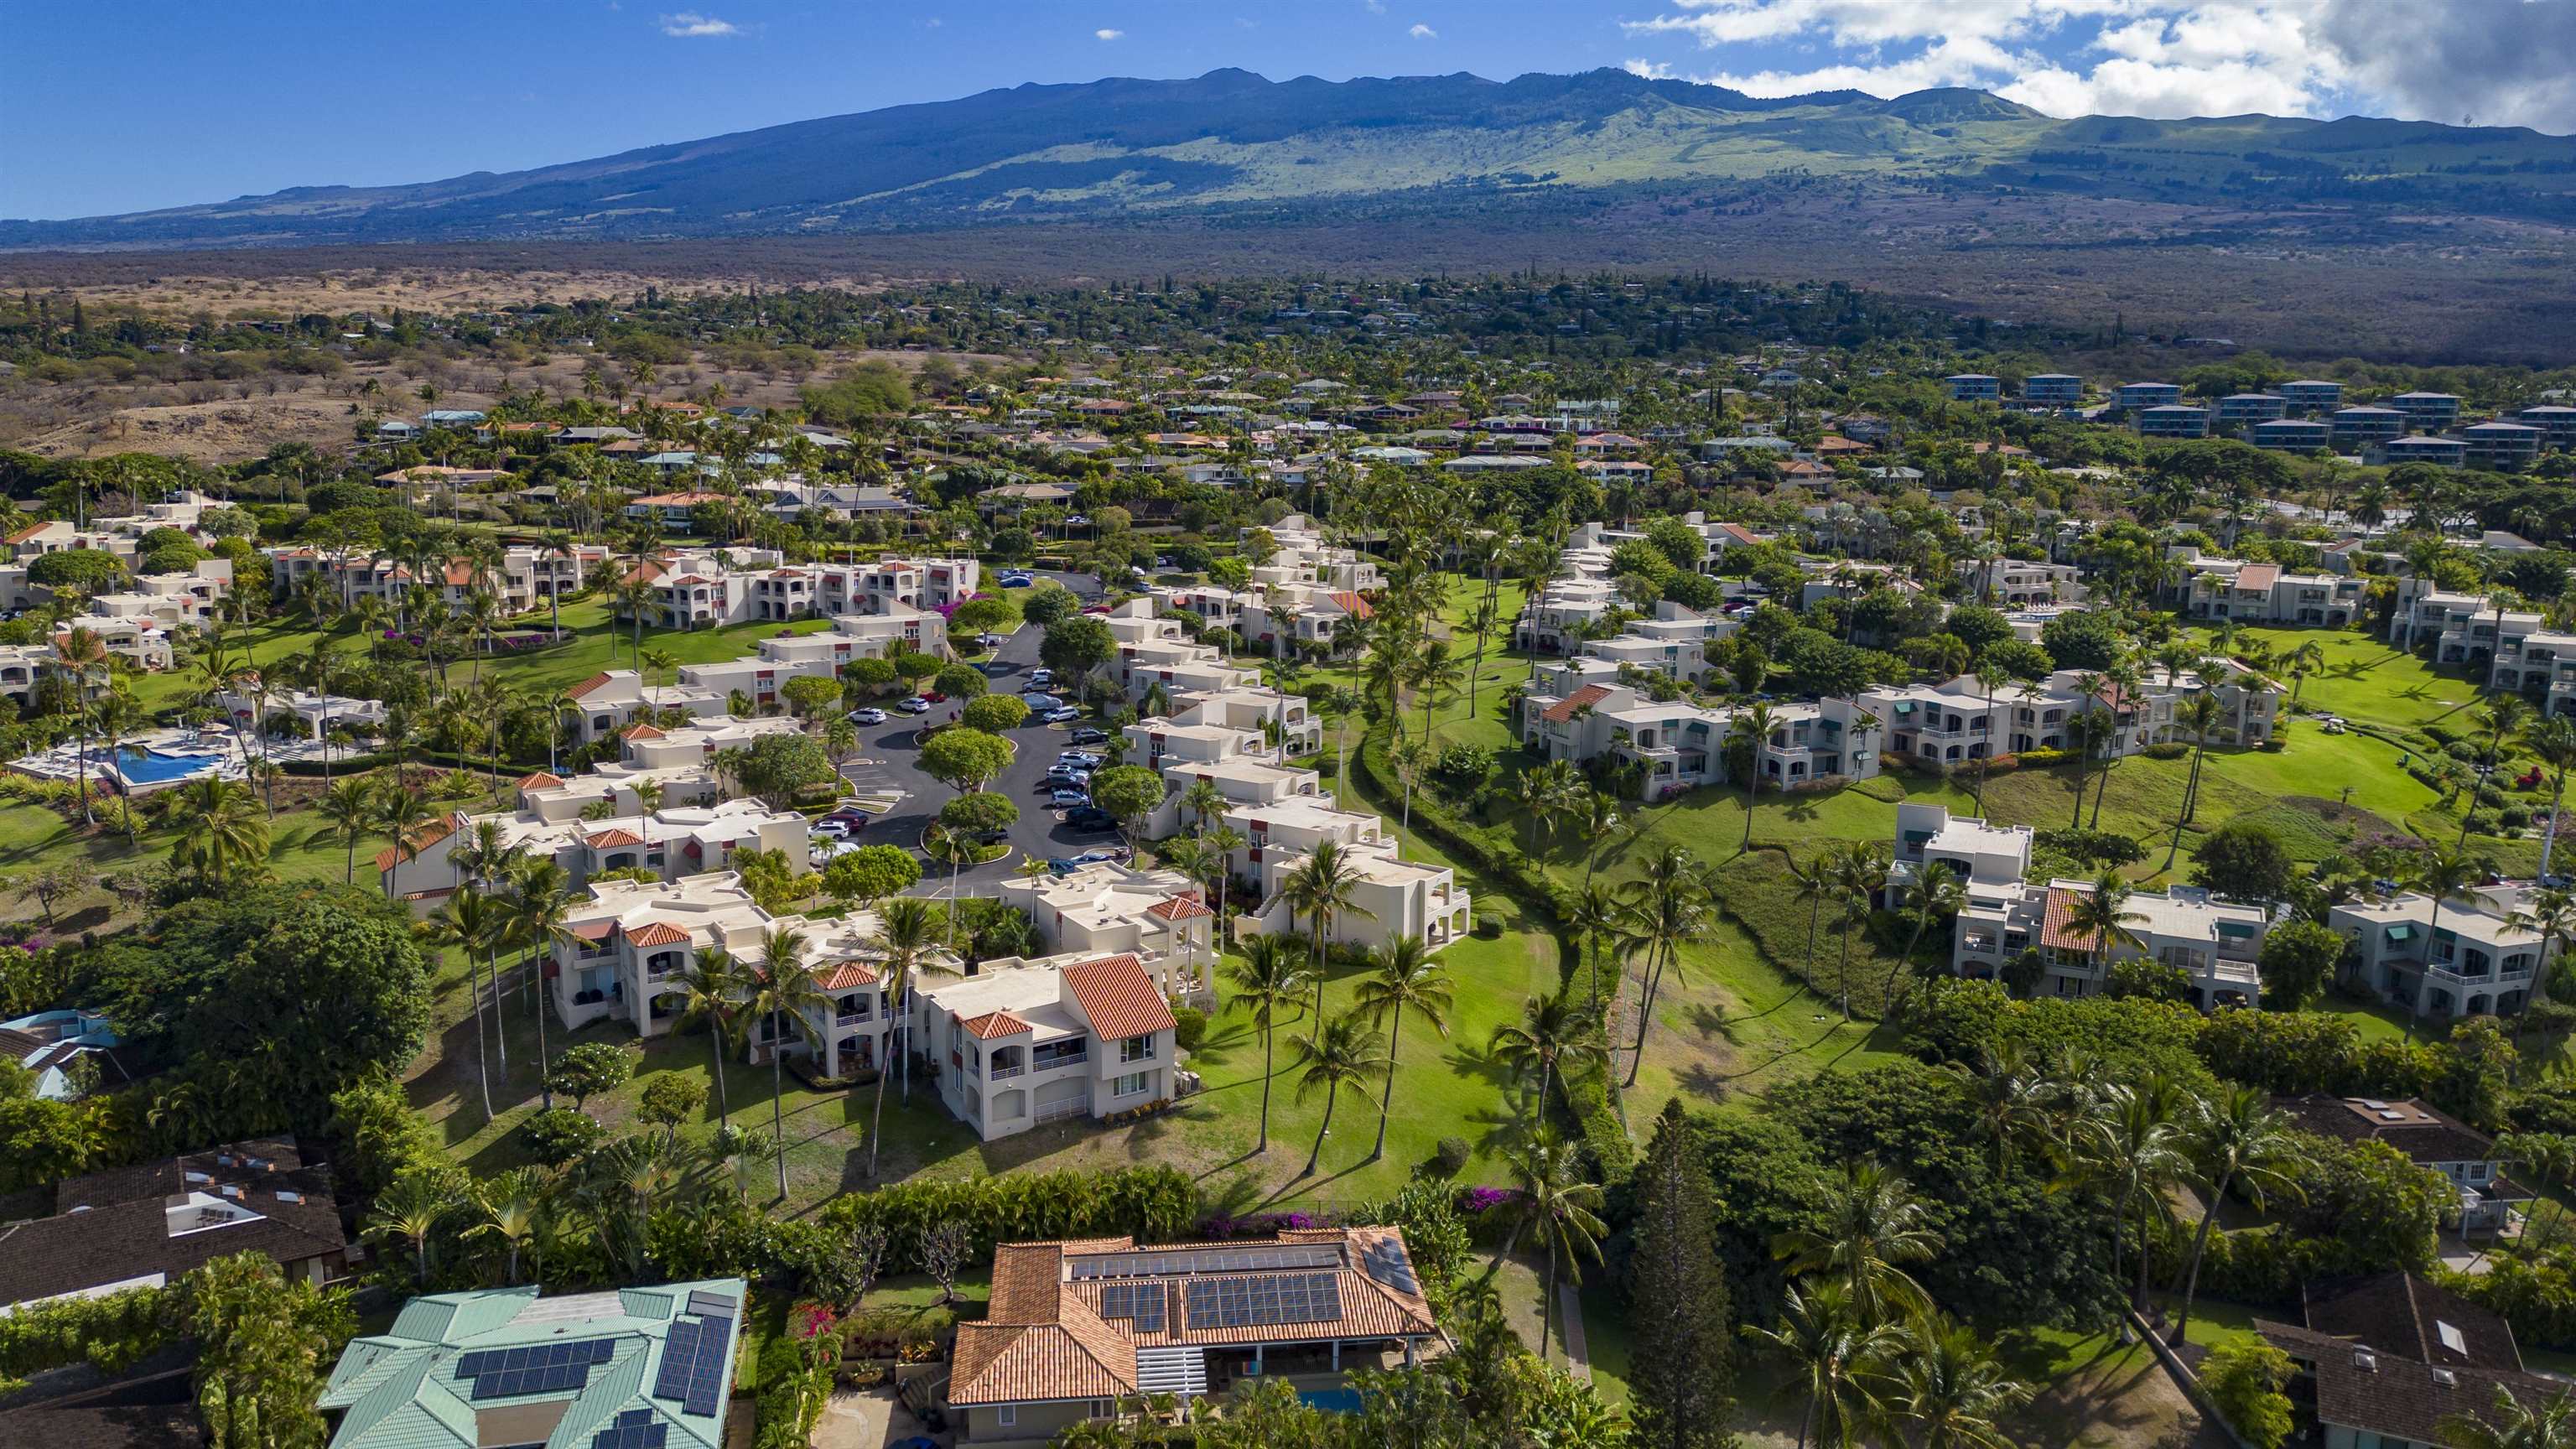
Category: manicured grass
<point>2366,678</point>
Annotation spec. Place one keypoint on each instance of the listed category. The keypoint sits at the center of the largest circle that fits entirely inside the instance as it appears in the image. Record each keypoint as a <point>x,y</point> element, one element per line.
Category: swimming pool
<point>153,767</point>
<point>1331,1401</point>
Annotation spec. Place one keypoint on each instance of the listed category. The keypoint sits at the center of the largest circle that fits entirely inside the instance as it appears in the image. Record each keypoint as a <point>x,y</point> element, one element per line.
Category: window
<point>1137,1049</point>
<point>1007,1415</point>
<point>1130,1084</point>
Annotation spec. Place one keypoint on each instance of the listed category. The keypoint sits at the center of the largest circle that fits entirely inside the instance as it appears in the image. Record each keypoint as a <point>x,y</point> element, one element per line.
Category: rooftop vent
<point>2366,1361</point>
<point>2446,1378</point>
<point>2451,1338</point>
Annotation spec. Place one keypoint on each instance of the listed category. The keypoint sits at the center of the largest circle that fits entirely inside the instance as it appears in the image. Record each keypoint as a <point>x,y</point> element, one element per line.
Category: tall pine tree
<point>1682,1369</point>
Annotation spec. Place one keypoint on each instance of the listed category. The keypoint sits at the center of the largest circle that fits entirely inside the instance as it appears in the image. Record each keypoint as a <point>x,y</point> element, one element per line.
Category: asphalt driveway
<point>893,747</point>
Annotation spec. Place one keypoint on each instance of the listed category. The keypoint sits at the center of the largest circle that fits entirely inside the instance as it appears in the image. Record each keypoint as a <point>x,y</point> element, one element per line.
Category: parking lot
<point>889,749</point>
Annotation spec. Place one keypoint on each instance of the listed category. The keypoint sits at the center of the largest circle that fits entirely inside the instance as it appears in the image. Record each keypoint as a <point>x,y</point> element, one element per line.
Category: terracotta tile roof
<point>2258,576</point>
<point>608,839</point>
<point>994,1024</point>
<point>647,732</point>
<point>1353,604</point>
<point>1563,709</point>
<point>1183,907</point>
<point>599,930</point>
<point>1117,997</point>
<point>2055,930</point>
<point>1739,533</point>
<point>539,781</point>
<point>659,933</point>
<point>587,687</point>
<point>845,975</point>
<point>28,532</point>
<point>421,839</point>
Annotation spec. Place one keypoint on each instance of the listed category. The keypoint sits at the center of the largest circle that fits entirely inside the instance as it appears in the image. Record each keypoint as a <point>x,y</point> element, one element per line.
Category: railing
<point>1002,1074</point>
<point>1043,1062</point>
<point>1062,1110</point>
<point>853,1018</point>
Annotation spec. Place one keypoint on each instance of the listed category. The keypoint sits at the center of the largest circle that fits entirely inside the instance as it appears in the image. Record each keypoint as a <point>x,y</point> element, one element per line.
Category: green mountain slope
<point>1230,139</point>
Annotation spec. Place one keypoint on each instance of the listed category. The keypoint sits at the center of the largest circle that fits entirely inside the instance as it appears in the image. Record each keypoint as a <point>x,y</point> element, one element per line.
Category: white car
<point>870,715</point>
<point>1041,676</point>
<point>915,705</point>
<point>830,830</point>
<point>1062,714</point>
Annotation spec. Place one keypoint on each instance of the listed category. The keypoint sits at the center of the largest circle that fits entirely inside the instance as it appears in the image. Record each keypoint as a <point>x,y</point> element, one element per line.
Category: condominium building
<point>628,947</point>
<point>2058,389</point>
<point>2261,593</point>
<point>2474,960</point>
<point>2429,412</point>
<point>2240,410</point>
<point>526,577</point>
<point>2311,395</point>
<point>1223,740</point>
<point>2216,943</point>
<point>2139,396</point>
<point>2172,421</point>
<point>2464,628</point>
<point>1952,723</point>
<point>671,842</point>
<point>1677,746</point>
<point>1397,897</point>
<point>1105,909</point>
<point>1973,387</point>
<point>1157,652</point>
<point>2557,423</point>
<point>2417,448</point>
<point>2503,447</point>
<point>1023,1043</point>
<point>1080,1332</point>
<point>2357,427</point>
<point>608,701</point>
<point>2018,583</point>
<point>2291,435</point>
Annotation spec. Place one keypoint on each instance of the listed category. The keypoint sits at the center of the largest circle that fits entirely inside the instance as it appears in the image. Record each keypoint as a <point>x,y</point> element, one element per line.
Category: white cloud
<point>690,25</point>
<point>1108,34</point>
<point>1647,69</point>
<point>2497,61</point>
<point>1423,32</point>
<point>1375,7</point>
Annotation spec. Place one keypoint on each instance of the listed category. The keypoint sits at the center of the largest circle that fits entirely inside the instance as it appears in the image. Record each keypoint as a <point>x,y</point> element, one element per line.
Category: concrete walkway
<point>1569,1322</point>
<point>865,1419</point>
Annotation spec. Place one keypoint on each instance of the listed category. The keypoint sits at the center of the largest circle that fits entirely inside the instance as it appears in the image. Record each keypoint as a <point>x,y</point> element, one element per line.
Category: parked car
<point>1067,799</point>
<point>989,641</point>
<point>1092,857</point>
<point>828,850</point>
<point>1090,817</point>
<point>850,815</point>
<point>1079,759</point>
<point>1041,676</point>
<point>915,705</point>
<point>1016,581</point>
<point>870,715</point>
<point>1088,735</point>
<point>934,696</point>
<point>1061,714</point>
<point>1039,700</point>
<point>1062,866</point>
<point>830,830</point>
<point>1067,779</point>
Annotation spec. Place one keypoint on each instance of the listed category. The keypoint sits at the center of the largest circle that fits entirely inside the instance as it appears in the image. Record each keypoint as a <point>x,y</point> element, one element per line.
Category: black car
<point>1090,736</point>
<point>1090,817</point>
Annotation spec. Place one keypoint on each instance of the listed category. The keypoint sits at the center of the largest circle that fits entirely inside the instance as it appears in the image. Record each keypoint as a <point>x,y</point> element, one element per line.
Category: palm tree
<point>1749,734</point>
<point>1560,1206</point>
<point>1205,802</point>
<point>1949,1386</point>
<point>350,807</point>
<point>2132,1143</point>
<point>411,1208</point>
<point>2512,1424</point>
<point>472,923</point>
<point>1401,975</point>
<point>1837,1349</point>
<point>1596,916</point>
<point>1268,980</point>
<point>2302,661</point>
<point>2200,712</point>
<point>510,1207</point>
<point>2505,715</point>
<point>2235,1138</point>
<point>223,835</point>
<point>2553,740</point>
<point>1599,818</point>
<point>1934,893</point>
<point>1335,1054</point>
<point>2549,914</point>
<point>117,717</point>
<point>785,992</point>
<point>401,812</point>
<point>1858,873</point>
<point>1553,1033</point>
<point>1323,886</point>
<point>2445,873</point>
<point>2102,916</point>
<point>710,991</point>
<point>1666,906</point>
<point>2007,1094</point>
<point>1873,1226</point>
<point>540,914</point>
<point>907,929</point>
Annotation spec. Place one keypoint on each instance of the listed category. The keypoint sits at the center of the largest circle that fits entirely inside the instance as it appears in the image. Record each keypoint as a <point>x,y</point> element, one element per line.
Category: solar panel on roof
<point>702,1302</point>
<point>1385,1260</point>
<point>678,1351</point>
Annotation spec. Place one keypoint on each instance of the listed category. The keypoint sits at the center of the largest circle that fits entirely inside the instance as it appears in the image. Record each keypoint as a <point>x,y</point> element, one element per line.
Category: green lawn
<point>2367,679</point>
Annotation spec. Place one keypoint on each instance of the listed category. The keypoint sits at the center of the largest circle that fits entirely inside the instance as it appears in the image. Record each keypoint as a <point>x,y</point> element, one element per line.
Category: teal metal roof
<point>401,1389</point>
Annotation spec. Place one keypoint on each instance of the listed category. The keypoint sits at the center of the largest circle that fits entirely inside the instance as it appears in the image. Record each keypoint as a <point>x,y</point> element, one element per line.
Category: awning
<point>2398,933</point>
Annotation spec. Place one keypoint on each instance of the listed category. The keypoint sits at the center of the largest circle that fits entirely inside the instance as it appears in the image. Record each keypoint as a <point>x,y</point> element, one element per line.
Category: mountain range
<point>1235,147</point>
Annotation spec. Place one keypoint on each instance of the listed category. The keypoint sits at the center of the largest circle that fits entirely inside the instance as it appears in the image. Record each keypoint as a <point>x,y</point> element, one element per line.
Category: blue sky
<point>130,104</point>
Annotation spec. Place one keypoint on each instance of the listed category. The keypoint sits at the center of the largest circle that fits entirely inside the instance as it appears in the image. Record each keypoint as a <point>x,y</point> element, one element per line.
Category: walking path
<point>1569,1315</point>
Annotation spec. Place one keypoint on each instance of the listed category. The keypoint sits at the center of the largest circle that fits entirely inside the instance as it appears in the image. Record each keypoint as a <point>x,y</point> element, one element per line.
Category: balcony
<point>1042,1059</point>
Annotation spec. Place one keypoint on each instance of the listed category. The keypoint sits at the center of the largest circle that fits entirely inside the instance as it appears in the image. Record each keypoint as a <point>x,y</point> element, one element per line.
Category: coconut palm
<point>2133,1145</point>
<point>471,923</point>
<point>1598,818</point>
<point>1596,917</point>
<point>401,814</point>
<point>2444,873</point>
<point>2513,1424</point>
<point>1858,873</point>
<point>350,807</point>
<point>1873,1227</point>
<point>711,991</point>
<point>2200,713</point>
<point>2010,1099</point>
<point>1669,904</point>
<point>2235,1140</point>
<point>1335,1054</point>
<point>1205,802</point>
<point>1950,1389</point>
<point>540,911</point>
<point>1838,1351</point>
<point>2101,915</point>
<point>2306,659</point>
<point>1553,1034</point>
<point>905,941</point>
<point>2552,740</point>
<point>223,834</point>
<point>1401,976</point>
<point>1934,893</point>
<point>2506,714</point>
<point>783,991</point>
<point>1324,885</point>
<point>1269,979</point>
<point>1747,736</point>
<point>1559,1205</point>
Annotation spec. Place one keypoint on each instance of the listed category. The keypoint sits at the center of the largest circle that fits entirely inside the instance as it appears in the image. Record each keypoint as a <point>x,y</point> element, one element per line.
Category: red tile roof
<point>587,687</point>
<point>659,933</point>
<point>1182,907</point>
<point>2055,930</point>
<point>1117,997</point>
<point>1353,604</point>
<point>1563,709</point>
<point>994,1024</point>
<point>422,839</point>
<point>539,781</point>
<point>2260,576</point>
<point>607,839</point>
<point>647,732</point>
<point>846,974</point>
<point>596,930</point>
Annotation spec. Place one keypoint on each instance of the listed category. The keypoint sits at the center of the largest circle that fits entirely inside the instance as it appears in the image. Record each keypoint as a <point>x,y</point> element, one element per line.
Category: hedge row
<point>1151,1204</point>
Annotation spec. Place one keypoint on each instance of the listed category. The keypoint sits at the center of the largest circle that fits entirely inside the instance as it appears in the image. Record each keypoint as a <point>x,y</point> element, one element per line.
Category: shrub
<point>558,1136</point>
<point>1189,1027</point>
<point>2481,822</point>
<point>1450,1157</point>
<point>2166,750</point>
<point>2042,756</point>
<point>2515,817</point>
<point>2244,1376</point>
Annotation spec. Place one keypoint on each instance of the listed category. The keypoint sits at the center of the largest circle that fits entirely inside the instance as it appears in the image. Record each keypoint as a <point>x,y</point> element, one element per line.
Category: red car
<point>935,697</point>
